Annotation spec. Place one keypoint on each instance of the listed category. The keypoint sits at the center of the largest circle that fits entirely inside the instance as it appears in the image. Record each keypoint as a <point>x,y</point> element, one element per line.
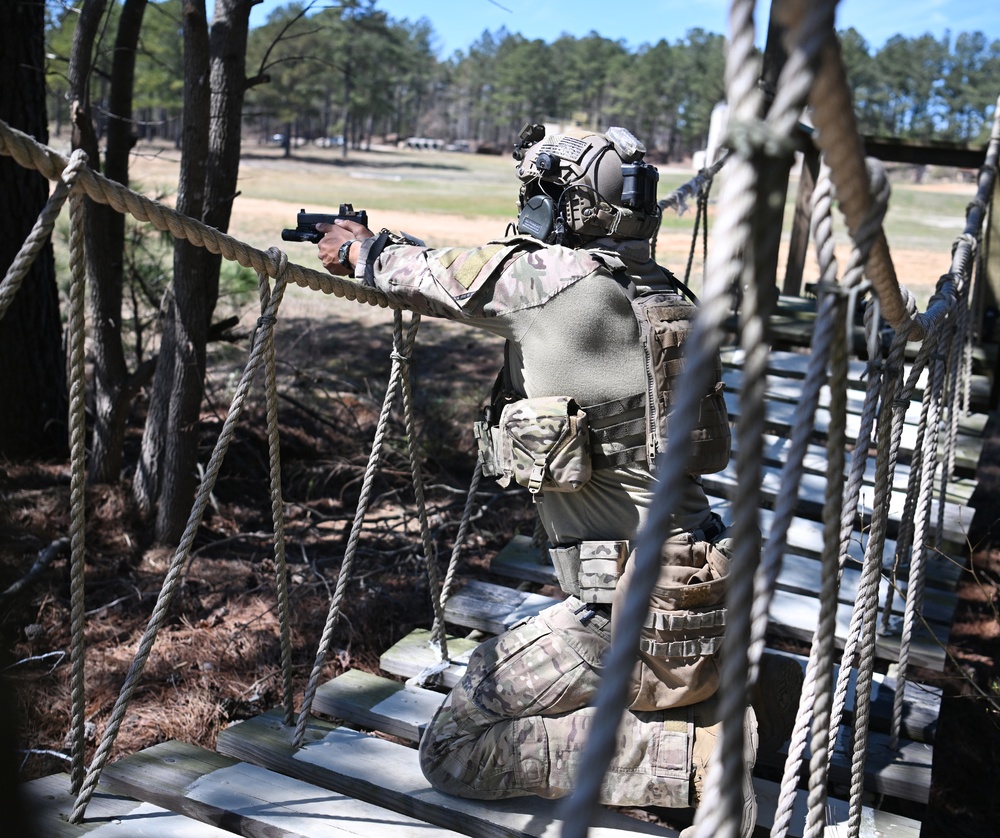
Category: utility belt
<point>590,570</point>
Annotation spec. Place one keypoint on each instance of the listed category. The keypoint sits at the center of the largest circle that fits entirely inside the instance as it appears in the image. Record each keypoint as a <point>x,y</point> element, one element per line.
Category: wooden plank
<point>781,363</point>
<point>414,654</point>
<point>493,608</point>
<point>811,500</point>
<point>805,538</point>
<point>795,615</point>
<point>108,815</point>
<point>776,450</point>
<point>369,701</point>
<point>520,559</point>
<point>389,775</point>
<point>767,792</point>
<point>481,607</point>
<point>904,773</point>
<point>779,417</point>
<point>250,800</point>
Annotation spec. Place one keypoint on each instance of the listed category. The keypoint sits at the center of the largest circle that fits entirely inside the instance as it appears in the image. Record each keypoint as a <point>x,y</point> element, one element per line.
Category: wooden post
<point>799,243</point>
<point>990,311</point>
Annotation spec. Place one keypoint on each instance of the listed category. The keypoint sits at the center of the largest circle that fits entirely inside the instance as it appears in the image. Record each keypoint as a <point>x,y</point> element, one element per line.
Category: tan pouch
<point>544,444</point>
<point>684,628</point>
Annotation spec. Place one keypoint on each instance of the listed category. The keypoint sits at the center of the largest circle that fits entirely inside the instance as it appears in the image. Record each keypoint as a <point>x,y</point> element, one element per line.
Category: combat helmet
<point>580,185</point>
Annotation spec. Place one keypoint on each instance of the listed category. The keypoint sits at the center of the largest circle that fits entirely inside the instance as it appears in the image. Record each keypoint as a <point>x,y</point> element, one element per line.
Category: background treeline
<point>353,73</point>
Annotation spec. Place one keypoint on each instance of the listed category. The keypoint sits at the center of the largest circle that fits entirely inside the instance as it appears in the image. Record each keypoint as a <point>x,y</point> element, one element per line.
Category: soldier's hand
<point>334,236</point>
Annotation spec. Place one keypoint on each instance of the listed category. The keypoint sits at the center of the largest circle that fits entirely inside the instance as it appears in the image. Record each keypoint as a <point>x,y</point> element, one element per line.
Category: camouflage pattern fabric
<point>517,722</point>
<point>503,276</point>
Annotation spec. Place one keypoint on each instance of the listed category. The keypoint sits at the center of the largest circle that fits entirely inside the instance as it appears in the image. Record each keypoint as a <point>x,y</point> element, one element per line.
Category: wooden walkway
<point>357,773</point>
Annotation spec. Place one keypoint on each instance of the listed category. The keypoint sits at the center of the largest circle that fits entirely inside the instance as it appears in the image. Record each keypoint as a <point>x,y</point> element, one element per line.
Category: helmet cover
<point>581,172</point>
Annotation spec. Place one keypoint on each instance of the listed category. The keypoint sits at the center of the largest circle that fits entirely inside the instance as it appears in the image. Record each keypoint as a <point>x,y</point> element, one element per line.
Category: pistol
<point>305,229</point>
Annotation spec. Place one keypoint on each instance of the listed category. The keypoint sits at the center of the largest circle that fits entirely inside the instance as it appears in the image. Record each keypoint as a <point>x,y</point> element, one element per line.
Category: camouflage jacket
<point>568,316</point>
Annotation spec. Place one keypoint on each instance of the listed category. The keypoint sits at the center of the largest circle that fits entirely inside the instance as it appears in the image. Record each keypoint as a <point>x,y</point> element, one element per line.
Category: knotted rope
<point>175,570</point>
<point>402,347</point>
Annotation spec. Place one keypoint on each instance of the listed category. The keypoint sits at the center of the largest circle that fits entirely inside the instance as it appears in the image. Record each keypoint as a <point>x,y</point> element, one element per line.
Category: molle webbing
<point>617,431</point>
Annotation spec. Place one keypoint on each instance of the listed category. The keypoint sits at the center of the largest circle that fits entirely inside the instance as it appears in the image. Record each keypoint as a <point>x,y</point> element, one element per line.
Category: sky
<point>458,23</point>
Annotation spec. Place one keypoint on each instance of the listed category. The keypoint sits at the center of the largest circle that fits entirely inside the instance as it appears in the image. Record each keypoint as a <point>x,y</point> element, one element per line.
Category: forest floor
<point>217,657</point>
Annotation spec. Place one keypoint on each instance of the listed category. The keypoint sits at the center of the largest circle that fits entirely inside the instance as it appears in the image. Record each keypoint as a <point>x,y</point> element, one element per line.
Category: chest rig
<point>614,433</point>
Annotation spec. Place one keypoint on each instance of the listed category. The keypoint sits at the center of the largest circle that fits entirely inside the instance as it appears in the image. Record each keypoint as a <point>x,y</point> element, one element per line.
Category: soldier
<point>594,330</point>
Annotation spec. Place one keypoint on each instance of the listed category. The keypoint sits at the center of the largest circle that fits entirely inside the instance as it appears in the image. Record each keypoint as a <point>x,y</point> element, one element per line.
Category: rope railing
<point>33,155</point>
<point>814,75</point>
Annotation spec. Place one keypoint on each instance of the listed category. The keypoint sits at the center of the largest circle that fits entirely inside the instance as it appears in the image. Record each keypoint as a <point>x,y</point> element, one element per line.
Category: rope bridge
<point>813,76</point>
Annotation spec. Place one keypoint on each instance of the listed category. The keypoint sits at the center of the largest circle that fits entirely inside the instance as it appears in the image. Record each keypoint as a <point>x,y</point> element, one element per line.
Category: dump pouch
<point>684,627</point>
<point>665,322</point>
<point>542,444</point>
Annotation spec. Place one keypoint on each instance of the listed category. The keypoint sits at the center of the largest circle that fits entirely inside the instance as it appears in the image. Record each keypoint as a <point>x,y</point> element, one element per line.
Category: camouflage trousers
<point>517,722</point>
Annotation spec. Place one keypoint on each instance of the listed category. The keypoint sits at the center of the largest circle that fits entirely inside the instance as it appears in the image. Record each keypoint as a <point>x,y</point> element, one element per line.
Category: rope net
<point>759,136</point>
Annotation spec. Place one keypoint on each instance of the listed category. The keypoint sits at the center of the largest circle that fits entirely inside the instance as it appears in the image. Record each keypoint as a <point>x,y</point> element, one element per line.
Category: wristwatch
<point>344,254</point>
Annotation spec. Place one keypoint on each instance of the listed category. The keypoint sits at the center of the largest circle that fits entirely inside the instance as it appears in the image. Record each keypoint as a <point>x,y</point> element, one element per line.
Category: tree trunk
<point>113,392</point>
<point>33,374</point>
<point>215,70</point>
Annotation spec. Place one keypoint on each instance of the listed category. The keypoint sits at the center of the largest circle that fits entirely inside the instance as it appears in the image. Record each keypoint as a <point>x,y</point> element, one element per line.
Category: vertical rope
<point>921,517</point>
<point>78,465</point>
<point>177,563</point>
<point>822,231</point>
<point>463,528</point>
<point>400,353</point>
<point>277,505</point>
<point>430,550</point>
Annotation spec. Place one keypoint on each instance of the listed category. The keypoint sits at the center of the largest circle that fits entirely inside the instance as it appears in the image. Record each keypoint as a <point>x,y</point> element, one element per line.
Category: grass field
<point>455,199</point>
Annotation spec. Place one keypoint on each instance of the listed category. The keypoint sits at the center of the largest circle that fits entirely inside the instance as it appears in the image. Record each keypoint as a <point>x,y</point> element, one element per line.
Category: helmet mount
<point>582,185</point>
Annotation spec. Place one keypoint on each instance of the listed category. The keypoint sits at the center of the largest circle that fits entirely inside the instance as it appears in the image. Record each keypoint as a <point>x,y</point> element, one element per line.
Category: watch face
<point>344,254</point>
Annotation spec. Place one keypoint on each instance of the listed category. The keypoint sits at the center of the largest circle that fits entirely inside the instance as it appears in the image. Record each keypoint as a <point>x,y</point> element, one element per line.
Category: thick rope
<point>816,670</point>
<point>823,651</point>
<point>400,354</point>
<point>39,235</point>
<point>33,155</point>
<point>277,505</point>
<point>463,528</point>
<point>78,466</point>
<point>918,549</point>
<point>175,570</point>
<point>438,637</point>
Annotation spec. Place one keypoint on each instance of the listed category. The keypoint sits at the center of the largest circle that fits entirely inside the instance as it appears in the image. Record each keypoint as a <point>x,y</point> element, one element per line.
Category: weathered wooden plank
<point>369,701</point>
<point>389,775</point>
<point>805,538</point>
<point>811,500</point>
<point>481,607</point>
<point>493,608</point>
<point>784,389</point>
<point>108,815</point>
<point>767,792</point>
<point>415,654</point>
<point>794,615</point>
<point>776,450</point>
<point>796,365</point>
<point>904,773</point>
<point>779,417</point>
<point>250,800</point>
